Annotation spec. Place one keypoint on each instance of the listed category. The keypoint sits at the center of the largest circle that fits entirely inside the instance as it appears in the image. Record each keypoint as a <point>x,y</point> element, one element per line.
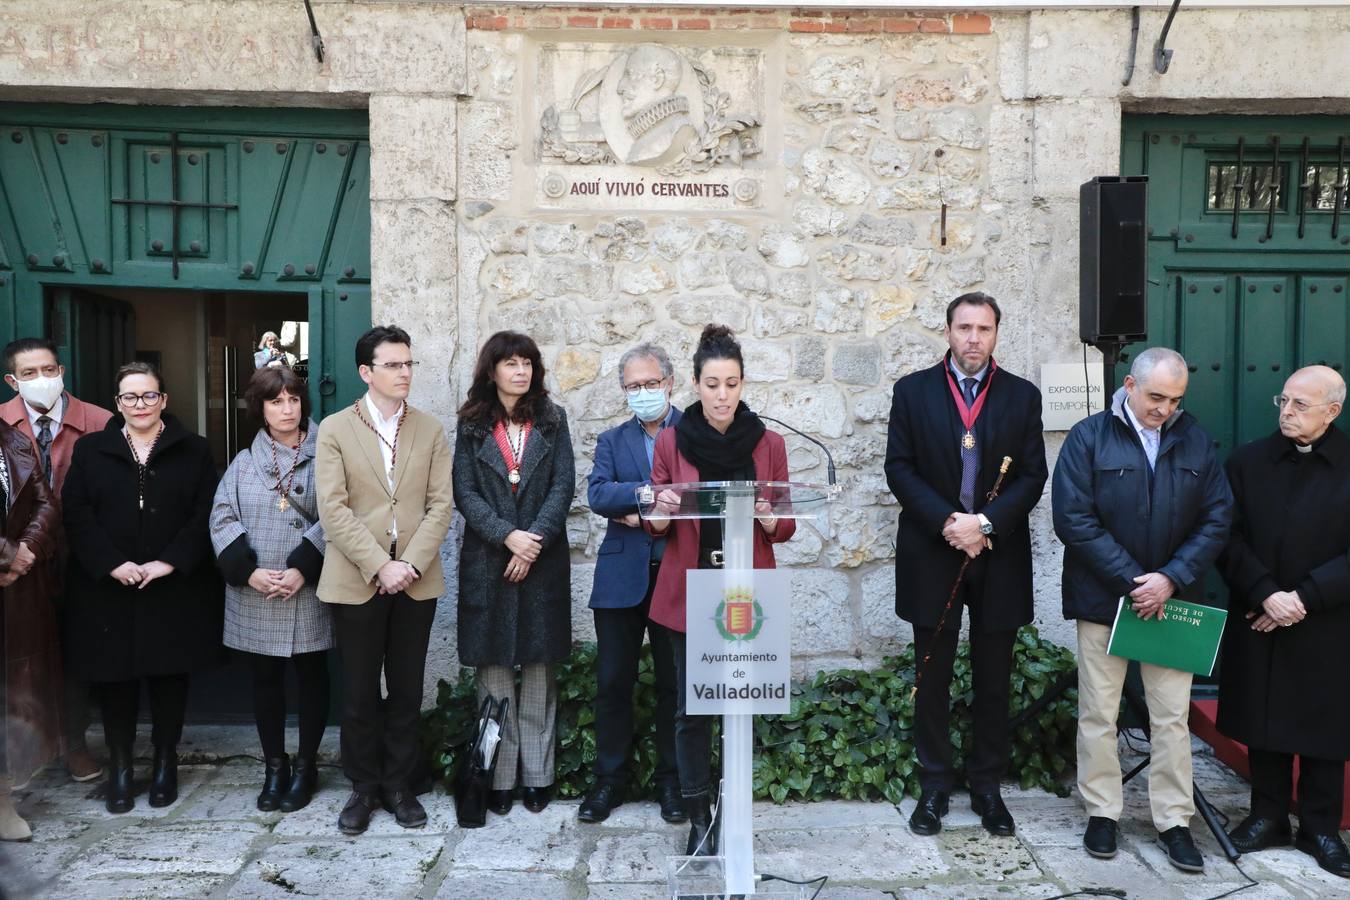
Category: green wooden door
<point>93,336</point>
<point>193,200</point>
<point>1249,257</point>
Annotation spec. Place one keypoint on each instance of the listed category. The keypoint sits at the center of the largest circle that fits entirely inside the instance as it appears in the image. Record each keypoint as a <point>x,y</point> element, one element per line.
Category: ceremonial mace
<point>956,586</point>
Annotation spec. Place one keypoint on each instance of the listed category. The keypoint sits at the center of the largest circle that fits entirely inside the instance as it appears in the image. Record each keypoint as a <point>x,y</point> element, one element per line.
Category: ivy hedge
<point>850,734</point>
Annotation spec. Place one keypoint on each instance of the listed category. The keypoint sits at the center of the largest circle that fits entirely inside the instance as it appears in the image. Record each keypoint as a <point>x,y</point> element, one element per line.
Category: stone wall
<point>826,254</point>
<point>836,277</point>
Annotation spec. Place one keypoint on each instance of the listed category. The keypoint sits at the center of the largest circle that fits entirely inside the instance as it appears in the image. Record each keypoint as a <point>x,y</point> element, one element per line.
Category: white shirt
<point>55,415</point>
<point>387,429</point>
<point>1144,434</point>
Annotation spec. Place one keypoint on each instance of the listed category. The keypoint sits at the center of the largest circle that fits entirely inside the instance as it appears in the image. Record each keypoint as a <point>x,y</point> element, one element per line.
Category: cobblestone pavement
<point>214,843</point>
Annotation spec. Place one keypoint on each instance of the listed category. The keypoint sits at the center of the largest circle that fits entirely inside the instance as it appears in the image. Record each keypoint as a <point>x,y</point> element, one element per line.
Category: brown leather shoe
<point>407,811</point>
<point>355,816</point>
<point>82,766</point>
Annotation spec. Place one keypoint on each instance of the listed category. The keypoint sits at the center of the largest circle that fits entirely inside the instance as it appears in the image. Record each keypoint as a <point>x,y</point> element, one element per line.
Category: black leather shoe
<point>164,777</point>
<point>1181,849</point>
<point>927,817</point>
<point>672,804</point>
<point>275,777</point>
<point>355,817</point>
<point>1100,837</point>
<point>304,781</point>
<point>598,804</point>
<point>702,828</point>
<point>1328,849</point>
<point>499,802</point>
<point>537,798</point>
<point>407,810</point>
<point>1259,832</point>
<point>121,796</point>
<point>994,815</point>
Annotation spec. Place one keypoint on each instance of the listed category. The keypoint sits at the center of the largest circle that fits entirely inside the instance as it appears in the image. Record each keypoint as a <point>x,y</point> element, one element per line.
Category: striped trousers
<point>528,735</point>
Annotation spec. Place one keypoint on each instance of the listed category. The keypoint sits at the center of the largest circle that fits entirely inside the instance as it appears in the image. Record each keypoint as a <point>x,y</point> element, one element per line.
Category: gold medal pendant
<point>283,504</point>
<point>968,441</point>
<point>513,476</point>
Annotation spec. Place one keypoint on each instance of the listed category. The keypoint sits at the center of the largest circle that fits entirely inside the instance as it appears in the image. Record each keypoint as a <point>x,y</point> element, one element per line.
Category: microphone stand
<point>829,460</point>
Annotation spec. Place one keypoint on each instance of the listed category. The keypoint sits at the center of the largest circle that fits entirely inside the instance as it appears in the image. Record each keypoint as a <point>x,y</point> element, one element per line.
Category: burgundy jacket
<point>670,467</point>
<point>79,419</point>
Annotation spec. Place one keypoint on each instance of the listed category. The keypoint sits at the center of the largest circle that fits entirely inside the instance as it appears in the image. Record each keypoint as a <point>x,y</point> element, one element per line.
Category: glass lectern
<point>738,649</point>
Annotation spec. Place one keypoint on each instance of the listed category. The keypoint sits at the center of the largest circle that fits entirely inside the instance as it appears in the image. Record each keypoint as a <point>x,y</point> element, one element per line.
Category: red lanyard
<point>508,452</point>
<point>969,413</point>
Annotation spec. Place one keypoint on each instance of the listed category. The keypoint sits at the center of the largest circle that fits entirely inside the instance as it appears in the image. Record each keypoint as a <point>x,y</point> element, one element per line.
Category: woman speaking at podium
<point>717,439</point>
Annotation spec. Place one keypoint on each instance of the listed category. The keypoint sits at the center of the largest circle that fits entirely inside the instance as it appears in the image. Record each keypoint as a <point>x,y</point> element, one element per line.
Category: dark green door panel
<point>263,198</point>
<point>1205,338</point>
<point>349,249</point>
<point>1323,327</point>
<point>1243,334</point>
<point>9,317</point>
<point>94,336</point>
<point>336,383</point>
<point>1266,351</point>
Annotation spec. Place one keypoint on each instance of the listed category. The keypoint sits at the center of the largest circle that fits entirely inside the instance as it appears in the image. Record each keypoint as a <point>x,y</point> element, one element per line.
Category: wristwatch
<point>986,527</point>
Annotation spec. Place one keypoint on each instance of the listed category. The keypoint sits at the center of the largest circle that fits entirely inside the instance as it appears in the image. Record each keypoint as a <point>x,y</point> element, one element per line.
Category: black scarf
<point>718,456</point>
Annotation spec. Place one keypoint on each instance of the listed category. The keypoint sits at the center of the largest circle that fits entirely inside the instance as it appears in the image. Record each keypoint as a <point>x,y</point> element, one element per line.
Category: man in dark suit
<point>951,426</point>
<point>1282,687</point>
<point>625,575</point>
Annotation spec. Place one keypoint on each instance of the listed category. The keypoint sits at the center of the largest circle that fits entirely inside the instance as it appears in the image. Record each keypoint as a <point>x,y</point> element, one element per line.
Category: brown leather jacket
<point>31,645</point>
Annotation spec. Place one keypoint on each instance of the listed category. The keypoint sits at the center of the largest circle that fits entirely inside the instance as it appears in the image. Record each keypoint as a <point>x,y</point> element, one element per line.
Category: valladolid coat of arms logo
<point>651,106</point>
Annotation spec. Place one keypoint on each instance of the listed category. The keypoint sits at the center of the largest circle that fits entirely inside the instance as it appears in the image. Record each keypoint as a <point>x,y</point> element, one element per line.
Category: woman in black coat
<point>514,479</point>
<point>145,600</point>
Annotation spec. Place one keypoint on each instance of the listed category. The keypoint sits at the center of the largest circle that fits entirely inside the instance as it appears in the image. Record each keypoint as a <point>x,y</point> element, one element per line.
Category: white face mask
<point>41,392</point>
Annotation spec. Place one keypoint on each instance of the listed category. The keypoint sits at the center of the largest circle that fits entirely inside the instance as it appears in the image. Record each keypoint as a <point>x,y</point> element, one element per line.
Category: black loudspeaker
<point>1113,248</point>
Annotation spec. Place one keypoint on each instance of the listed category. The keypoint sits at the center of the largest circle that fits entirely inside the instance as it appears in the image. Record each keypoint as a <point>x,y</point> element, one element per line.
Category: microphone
<point>829,460</point>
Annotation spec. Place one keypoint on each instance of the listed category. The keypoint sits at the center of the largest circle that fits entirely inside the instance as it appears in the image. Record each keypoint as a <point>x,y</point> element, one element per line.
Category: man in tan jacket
<point>382,470</point>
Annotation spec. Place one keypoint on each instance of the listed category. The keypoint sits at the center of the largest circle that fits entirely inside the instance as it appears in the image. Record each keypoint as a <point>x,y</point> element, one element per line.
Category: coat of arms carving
<point>651,106</point>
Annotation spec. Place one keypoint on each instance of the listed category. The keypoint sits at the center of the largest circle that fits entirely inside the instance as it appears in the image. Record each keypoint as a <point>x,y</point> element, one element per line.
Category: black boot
<point>304,781</point>
<point>275,778</point>
<point>702,827</point>
<point>120,796</point>
<point>164,776</point>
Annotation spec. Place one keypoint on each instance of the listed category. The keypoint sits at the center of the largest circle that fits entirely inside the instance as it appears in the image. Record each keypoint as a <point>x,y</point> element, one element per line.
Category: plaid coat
<point>246,504</point>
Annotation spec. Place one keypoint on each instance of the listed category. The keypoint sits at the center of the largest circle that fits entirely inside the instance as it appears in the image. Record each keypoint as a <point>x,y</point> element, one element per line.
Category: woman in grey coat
<point>269,544</point>
<point>514,479</point>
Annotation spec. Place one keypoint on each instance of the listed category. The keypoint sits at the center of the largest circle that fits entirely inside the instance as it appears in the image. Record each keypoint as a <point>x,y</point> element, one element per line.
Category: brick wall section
<point>810,21</point>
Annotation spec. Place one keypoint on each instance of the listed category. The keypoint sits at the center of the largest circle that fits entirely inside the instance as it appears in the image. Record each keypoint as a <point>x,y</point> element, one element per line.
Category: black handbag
<point>473,779</point>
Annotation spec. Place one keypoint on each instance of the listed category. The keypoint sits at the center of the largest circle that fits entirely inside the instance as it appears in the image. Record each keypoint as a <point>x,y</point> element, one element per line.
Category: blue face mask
<point>647,405</point>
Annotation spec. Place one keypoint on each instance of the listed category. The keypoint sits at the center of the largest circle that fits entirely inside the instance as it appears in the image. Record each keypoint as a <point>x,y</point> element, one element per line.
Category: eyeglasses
<point>633,389</point>
<point>148,399</point>
<point>398,366</point>
<point>45,372</point>
<point>1299,405</point>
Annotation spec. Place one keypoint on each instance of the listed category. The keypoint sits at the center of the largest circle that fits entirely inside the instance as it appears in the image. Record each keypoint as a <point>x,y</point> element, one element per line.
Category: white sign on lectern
<point>739,642</point>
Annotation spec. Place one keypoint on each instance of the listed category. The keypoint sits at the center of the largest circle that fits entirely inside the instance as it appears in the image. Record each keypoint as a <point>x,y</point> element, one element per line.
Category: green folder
<point>1186,636</point>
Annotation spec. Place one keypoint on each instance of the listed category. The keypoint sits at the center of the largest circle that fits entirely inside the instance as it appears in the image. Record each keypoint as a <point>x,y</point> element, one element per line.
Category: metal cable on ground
<point>822,879</point>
